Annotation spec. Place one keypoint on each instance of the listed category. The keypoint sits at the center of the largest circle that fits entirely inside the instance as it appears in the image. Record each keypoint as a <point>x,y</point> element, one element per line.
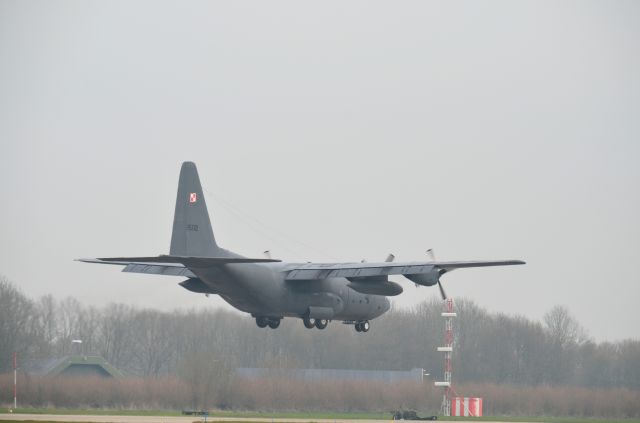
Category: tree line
<point>491,348</point>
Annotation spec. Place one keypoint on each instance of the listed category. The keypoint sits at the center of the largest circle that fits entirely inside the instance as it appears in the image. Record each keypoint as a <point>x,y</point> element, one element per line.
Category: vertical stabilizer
<point>192,233</point>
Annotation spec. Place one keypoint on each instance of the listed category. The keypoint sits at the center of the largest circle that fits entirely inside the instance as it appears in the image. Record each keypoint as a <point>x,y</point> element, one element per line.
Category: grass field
<point>538,419</point>
<point>230,414</point>
<point>310,416</point>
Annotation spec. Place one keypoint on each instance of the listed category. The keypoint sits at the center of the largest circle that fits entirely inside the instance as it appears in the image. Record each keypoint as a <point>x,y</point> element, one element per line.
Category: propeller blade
<point>442,293</point>
<point>431,254</point>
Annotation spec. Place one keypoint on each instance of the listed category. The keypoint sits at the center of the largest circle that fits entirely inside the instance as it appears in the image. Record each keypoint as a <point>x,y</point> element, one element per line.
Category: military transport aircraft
<point>270,290</point>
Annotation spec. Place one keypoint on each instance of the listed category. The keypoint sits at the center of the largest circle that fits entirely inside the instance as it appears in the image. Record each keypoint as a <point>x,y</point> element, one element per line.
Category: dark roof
<point>388,376</point>
<point>57,366</point>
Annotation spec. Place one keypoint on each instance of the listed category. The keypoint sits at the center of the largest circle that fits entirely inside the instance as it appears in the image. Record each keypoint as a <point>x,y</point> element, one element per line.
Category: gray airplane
<point>270,290</point>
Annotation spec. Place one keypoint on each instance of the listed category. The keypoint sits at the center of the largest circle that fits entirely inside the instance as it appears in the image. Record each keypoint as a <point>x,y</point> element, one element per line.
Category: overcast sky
<point>329,131</point>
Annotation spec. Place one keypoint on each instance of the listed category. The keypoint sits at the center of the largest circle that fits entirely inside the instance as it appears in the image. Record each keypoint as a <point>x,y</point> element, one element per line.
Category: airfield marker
<point>15,380</point>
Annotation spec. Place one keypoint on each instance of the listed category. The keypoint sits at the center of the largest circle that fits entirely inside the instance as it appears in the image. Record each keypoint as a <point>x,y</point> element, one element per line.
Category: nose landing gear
<point>362,326</point>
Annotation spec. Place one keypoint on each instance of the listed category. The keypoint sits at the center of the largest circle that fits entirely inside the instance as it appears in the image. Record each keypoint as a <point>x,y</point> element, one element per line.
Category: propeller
<point>442,293</point>
<point>432,256</point>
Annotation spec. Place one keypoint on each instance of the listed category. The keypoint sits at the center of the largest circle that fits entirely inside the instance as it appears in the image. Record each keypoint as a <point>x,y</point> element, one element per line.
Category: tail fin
<point>192,233</point>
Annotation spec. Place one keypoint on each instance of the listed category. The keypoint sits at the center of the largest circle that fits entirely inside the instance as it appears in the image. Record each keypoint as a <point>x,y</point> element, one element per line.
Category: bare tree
<point>152,342</point>
<point>565,336</point>
<point>563,328</point>
<point>116,333</point>
<point>17,323</point>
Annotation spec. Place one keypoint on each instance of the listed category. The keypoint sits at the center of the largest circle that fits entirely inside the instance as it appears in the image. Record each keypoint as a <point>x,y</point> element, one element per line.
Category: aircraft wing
<point>170,265</point>
<point>314,271</point>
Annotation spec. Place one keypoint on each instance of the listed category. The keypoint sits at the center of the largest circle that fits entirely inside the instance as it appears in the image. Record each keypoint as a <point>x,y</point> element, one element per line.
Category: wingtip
<point>87,260</point>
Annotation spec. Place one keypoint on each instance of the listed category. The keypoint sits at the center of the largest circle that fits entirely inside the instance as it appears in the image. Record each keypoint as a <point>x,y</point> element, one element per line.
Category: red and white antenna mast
<point>448,315</point>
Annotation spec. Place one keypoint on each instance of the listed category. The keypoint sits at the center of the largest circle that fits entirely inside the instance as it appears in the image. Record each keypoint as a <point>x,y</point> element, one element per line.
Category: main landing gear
<point>309,323</point>
<point>362,326</point>
<point>272,322</point>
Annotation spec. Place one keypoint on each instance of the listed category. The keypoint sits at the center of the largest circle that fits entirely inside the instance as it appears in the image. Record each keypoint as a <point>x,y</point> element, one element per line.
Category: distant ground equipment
<point>410,415</point>
<point>195,413</point>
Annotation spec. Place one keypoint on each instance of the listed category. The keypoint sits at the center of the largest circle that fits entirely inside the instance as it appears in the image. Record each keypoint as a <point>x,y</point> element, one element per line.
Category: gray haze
<point>483,130</point>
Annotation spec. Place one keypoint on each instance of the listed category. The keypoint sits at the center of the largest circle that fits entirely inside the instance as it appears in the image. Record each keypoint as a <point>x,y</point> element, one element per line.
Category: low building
<point>313,375</point>
<point>73,365</point>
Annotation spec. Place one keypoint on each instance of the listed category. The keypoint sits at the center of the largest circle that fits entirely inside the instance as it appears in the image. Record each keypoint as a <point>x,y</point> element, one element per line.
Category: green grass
<point>305,415</point>
<point>230,414</point>
<point>311,416</point>
<point>91,411</point>
<point>32,421</point>
<point>539,419</point>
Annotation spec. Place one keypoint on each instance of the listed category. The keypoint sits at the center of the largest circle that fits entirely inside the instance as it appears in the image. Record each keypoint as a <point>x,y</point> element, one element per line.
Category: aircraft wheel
<point>358,327</point>
<point>262,322</point>
<point>274,323</point>
<point>321,323</point>
<point>364,326</point>
<point>309,323</point>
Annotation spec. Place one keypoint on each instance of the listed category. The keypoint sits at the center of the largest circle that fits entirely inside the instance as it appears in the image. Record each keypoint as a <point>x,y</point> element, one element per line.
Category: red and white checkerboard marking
<point>193,197</point>
<point>468,407</point>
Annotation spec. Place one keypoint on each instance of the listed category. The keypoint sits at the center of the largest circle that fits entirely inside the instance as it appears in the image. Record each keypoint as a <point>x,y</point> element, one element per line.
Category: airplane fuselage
<point>261,290</point>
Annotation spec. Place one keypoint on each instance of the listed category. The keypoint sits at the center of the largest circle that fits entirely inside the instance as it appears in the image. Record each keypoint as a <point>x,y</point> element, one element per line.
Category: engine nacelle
<point>196,285</point>
<point>426,279</point>
<point>386,288</point>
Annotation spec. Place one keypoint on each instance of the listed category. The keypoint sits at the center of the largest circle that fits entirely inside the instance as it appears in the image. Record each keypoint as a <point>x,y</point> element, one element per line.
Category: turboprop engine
<point>426,279</point>
<point>365,286</point>
<point>429,279</point>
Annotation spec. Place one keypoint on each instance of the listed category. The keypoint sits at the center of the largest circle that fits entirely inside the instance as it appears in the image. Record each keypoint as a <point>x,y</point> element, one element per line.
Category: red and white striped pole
<point>15,380</point>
